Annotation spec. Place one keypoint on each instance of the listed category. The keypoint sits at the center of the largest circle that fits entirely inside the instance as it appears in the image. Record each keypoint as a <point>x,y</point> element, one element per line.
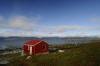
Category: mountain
<point>19,41</point>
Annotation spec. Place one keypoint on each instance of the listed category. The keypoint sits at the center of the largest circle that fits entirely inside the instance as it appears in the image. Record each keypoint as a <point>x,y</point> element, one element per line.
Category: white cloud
<point>22,22</point>
<point>23,33</point>
<point>30,26</point>
<point>94,19</point>
<point>1,18</point>
<point>65,28</point>
<point>69,27</point>
<point>18,26</point>
<point>51,32</point>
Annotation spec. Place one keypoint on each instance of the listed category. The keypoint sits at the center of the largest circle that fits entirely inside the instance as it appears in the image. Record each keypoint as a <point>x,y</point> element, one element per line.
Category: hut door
<point>30,50</point>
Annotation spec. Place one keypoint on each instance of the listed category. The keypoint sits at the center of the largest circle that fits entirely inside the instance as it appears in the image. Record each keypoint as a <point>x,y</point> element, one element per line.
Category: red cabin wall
<point>25,48</point>
<point>39,48</point>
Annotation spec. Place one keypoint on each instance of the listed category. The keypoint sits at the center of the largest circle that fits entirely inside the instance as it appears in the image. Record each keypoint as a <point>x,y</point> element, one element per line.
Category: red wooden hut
<point>35,47</point>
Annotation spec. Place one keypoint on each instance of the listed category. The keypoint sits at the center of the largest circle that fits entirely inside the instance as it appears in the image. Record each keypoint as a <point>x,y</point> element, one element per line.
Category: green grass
<point>83,55</point>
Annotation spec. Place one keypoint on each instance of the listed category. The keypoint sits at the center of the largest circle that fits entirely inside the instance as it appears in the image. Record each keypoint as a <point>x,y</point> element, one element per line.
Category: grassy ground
<point>83,55</point>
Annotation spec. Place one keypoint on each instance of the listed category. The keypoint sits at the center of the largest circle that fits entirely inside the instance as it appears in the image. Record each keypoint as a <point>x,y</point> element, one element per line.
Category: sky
<point>50,18</point>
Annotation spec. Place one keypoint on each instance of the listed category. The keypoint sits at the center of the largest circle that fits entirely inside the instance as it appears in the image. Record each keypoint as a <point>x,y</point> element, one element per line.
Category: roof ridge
<point>37,43</point>
<point>27,43</point>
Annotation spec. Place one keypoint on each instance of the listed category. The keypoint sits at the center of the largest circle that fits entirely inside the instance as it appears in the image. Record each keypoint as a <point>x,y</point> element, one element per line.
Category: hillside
<point>83,55</point>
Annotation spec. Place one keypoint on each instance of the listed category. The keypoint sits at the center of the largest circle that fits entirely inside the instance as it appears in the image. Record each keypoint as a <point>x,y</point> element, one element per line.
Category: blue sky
<point>43,18</point>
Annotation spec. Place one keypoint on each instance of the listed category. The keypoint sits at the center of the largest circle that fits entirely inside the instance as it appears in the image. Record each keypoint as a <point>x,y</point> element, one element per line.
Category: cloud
<point>59,31</point>
<point>30,26</point>
<point>69,27</point>
<point>22,22</point>
<point>94,19</point>
<point>65,28</point>
<point>77,28</point>
<point>1,18</point>
<point>18,26</point>
<point>8,33</point>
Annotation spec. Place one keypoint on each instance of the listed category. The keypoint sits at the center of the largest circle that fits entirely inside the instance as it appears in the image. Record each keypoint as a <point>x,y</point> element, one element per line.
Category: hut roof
<point>32,42</point>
